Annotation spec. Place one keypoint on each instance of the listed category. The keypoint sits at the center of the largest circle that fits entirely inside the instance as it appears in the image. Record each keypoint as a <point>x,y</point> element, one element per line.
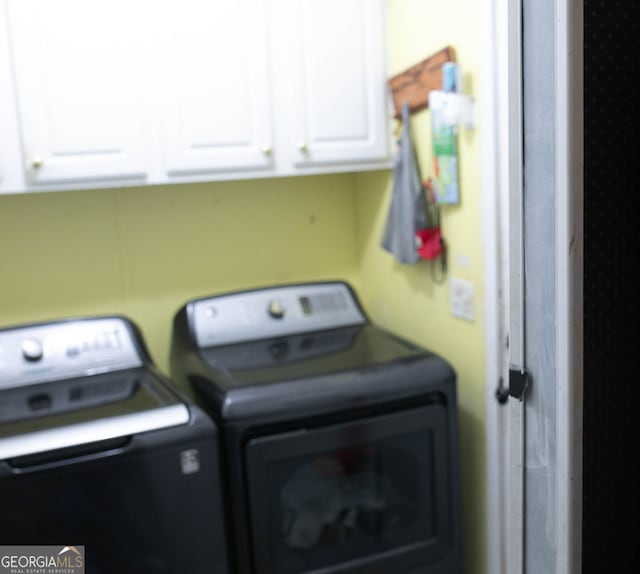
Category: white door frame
<point>502,171</point>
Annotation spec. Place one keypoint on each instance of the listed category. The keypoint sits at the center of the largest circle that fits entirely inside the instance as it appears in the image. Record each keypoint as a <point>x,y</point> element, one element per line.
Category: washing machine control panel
<point>66,349</point>
<point>273,312</point>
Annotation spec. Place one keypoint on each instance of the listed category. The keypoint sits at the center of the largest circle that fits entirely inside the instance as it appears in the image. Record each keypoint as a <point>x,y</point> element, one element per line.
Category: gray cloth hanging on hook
<point>407,212</point>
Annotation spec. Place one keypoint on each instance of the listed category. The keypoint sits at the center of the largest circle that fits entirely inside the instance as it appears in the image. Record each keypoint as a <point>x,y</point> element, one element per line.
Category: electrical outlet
<point>462,299</point>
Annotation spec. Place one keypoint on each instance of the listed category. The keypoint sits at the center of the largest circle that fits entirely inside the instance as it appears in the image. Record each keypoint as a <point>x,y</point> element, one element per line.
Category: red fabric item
<point>429,243</point>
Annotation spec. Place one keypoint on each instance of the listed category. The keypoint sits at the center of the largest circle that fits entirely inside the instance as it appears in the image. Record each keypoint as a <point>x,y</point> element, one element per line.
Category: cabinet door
<point>215,98</point>
<point>77,68</point>
<point>337,60</point>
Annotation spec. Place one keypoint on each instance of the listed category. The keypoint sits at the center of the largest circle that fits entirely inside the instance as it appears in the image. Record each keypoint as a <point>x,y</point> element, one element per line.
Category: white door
<point>78,68</point>
<point>216,105</point>
<point>335,59</point>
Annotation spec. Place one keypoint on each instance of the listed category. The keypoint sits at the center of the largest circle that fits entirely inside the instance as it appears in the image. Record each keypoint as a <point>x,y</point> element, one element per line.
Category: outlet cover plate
<point>462,299</point>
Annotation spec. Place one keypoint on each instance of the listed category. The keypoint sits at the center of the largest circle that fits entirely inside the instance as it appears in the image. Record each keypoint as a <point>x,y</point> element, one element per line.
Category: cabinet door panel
<point>78,69</point>
<point>216,104</point>
<point>338,81</point>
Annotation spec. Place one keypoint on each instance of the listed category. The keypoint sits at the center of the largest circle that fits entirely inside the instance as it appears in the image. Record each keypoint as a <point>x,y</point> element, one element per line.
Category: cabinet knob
<point>36,162</point>
<point>302,146</point>
<point>267,149</point>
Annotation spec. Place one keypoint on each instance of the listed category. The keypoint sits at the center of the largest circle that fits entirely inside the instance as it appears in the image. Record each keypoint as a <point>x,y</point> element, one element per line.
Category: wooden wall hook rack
<point>414,84</point>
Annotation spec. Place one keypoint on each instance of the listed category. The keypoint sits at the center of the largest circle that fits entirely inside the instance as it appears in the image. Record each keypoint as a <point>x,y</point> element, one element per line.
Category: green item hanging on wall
<point>445,152</point>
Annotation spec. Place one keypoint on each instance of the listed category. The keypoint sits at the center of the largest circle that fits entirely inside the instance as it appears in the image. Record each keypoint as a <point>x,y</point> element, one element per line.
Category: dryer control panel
<point>65,349</point>
<point>273,312</point>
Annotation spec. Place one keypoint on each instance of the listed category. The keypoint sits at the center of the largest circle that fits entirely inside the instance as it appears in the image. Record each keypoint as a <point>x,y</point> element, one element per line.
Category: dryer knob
<point>276,309</point>
<point>32,350</point>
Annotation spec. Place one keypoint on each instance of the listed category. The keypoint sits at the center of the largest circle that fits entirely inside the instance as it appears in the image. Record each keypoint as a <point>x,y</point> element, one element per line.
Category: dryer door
<point>369,493</point>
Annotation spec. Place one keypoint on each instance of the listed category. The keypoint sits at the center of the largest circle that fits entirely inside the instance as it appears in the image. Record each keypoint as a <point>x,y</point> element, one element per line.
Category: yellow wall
<point>405,298</point>
<point>145,251</point>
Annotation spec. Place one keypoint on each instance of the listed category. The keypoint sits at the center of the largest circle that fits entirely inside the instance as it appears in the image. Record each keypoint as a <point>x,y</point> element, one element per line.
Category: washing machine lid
<point>68,413</point>
<point>74,382</point>
<point>351,366</point>
<point>317,354</point>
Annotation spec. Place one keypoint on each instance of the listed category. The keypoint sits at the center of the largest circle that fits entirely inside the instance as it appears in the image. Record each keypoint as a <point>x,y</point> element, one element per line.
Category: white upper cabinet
<point>107,93</point>
<point>334,59</point>
<point>77,68</point>
<point>215,99</point>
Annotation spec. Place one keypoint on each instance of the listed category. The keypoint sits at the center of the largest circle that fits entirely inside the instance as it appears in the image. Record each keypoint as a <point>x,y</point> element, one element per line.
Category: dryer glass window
<point>347,493</point>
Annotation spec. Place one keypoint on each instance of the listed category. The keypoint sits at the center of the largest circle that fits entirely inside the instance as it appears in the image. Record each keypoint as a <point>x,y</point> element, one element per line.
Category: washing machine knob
<point>276,309</point>
<point>32,350</point>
